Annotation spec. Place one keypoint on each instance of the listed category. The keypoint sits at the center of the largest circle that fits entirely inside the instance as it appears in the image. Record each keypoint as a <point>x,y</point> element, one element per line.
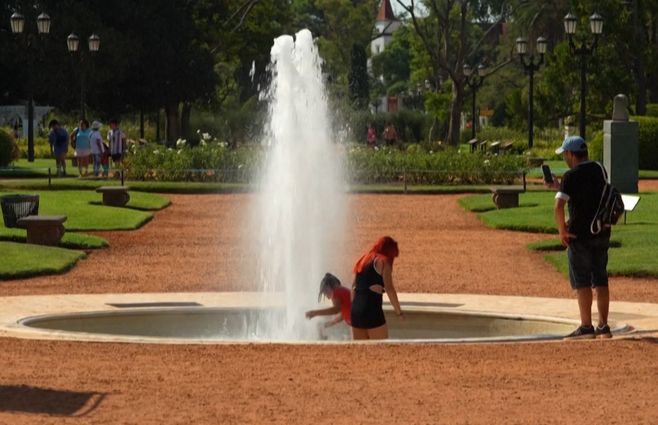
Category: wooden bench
<point>506,147</point>
<point>535,161</point>
<point>115,196</point>
<point>473,143</point>
<point>43,229</point>
<point>495,147</point>
<point>483,145</point>
<point>506,196</point>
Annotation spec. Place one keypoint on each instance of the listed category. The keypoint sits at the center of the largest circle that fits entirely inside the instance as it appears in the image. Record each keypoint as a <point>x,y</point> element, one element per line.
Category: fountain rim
<point>23,309</point>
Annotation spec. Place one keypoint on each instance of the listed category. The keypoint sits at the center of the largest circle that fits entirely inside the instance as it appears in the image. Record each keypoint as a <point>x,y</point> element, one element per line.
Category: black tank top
<point>368,277</point>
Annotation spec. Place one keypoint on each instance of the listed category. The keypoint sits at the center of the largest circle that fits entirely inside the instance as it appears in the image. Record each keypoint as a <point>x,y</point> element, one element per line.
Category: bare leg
<point>378,333</point>
<point>603,304</point>
<point>585,306</point>
<point>359,334</point>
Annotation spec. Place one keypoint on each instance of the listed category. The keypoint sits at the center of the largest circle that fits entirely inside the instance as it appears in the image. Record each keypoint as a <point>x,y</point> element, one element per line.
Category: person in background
<point>340,296</point>
<point>116,138</point>
<point>81,138</point>
<point>390,135</point>
<point>59,146</point>
<point>97,147</point>
<point>371,137</point>
<point>374,276</point>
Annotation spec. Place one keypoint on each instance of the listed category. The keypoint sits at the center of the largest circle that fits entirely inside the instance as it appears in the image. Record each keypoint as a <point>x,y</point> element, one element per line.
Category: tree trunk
<point>185,120</point>
<point>455,113</point>
<point>639,68</point>
<point>173,123</point>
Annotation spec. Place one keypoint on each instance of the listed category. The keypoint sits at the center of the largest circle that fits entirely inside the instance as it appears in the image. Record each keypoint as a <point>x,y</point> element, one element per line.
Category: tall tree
<point>450,33</point>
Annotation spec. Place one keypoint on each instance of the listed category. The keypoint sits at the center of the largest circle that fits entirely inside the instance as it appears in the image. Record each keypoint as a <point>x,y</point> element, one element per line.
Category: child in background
<point>339,295</point>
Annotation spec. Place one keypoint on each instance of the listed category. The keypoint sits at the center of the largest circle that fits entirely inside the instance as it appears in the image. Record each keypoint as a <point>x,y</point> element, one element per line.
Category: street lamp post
<point>73,46</point>
<point>17,22</point>
<point>583,50</point>
<point>531,63</point>
<point>474,80</point>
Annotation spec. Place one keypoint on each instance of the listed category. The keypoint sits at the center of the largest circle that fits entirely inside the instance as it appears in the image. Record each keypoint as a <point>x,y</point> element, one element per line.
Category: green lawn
<point>22,260</point>
<point>23,168</point>
<point>84,213</point>
<point>559,168</point>
<point>69,183</point>
<point>634,244</point>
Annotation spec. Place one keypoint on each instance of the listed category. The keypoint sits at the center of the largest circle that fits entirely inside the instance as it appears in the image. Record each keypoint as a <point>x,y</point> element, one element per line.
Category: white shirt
<point>96,141</point>
<point>116,138</point>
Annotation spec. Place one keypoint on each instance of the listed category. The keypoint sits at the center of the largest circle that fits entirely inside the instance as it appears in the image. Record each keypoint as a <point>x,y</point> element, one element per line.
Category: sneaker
<point>583,332</point>
<point>603,331</point>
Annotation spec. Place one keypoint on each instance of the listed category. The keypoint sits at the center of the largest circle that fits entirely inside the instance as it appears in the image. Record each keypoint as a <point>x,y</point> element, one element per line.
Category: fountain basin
<point>233,325</point>
<point>221,317</point>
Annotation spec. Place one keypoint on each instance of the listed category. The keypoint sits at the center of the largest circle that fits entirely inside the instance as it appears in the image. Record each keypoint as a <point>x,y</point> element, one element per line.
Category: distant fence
<point>404,178</point>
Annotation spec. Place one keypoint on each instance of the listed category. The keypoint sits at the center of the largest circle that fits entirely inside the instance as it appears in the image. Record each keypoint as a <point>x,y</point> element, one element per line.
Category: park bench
<point>506,147</point>
<point>506,196</point>
<point>115,196</point>
<point>43,229</point>
<point>495,147</point>
<point>483,145</point>
<point>473,143</point>
<point>535,161</point>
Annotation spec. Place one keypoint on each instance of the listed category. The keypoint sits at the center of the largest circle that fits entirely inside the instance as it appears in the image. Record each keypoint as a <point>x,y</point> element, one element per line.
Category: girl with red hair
<point>373,277</point>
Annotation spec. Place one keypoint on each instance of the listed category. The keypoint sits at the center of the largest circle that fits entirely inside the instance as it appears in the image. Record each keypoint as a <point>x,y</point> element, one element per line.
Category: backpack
<point>611,207</point>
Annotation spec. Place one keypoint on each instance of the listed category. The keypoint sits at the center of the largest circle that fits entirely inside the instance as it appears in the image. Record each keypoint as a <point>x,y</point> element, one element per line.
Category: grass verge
<point>635,242</point>
<point>21,260</point>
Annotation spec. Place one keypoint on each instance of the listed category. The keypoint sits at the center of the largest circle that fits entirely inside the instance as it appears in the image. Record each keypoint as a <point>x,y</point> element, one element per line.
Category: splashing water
<point>301,205</point>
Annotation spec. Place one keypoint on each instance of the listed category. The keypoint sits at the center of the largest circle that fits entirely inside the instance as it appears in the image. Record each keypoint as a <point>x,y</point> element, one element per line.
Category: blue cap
<point>572,144</point>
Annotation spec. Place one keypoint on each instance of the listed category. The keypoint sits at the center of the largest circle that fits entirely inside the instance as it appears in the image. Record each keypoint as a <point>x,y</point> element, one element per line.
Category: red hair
<point>385,247</point>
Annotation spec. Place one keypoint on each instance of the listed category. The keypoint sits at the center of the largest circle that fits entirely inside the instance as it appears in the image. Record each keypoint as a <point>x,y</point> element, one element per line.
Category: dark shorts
<point>116,157</point>
<point>367,312</point>
<point>588,262</point>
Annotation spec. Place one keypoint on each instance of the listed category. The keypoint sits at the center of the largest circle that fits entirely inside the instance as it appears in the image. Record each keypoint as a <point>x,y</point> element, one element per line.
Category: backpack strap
<point>596,226</point>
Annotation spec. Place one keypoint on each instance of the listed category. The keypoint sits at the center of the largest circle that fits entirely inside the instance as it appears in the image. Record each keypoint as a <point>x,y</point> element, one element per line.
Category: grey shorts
<point>588,262</point>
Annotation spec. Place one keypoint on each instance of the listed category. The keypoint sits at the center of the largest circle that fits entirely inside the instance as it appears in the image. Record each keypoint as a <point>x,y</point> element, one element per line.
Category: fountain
<point>299,213</point>
<point>297,229</point>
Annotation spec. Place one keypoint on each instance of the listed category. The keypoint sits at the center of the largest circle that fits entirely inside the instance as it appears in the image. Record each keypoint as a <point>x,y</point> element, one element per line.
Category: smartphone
<point>548,176</point>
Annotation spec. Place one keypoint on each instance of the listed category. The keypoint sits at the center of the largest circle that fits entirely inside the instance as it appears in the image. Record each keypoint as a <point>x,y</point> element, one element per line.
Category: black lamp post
<point>43,28</point>
<point>474,80</point>
<point>73,45</point>
<point>583,50</point>
<point>531,63</point>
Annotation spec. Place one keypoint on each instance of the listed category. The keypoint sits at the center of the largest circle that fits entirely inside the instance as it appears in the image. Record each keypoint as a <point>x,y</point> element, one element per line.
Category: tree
<point>341,25</point>
<point>449,33</point>
<point>358,78</point>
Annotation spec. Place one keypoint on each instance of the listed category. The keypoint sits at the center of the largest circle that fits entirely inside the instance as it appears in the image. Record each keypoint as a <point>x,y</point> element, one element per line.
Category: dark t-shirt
<point>59,140</point>
<point>584,186</point>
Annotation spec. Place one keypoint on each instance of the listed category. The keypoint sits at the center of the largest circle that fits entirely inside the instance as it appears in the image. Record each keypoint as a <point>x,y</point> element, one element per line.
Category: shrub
<point>418,166</point>
<point>209,162</point>
<point>41,147</point>
<point>648,142</point>
<point>652,109</point>
<point>411,126</point>
<point>595,146</point>
<point>217,162</point>
<point>8,149</point>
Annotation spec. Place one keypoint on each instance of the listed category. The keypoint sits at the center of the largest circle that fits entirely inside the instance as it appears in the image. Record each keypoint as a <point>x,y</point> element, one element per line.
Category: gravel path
<point>197,245</point>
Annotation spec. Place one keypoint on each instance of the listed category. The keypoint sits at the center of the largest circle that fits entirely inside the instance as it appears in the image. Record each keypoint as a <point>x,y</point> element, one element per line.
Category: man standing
<point>59,146</point>
<point>117,141</point>
<point>581,188</point>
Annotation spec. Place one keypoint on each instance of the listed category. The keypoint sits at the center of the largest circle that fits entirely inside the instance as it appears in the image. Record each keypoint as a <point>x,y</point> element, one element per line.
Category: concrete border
<point>627,319</point>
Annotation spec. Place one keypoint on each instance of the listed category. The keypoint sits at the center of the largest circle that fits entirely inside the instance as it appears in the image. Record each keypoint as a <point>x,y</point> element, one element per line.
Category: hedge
<point>648,142</point>
<point>8,149</point>
<point>215,162</point>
